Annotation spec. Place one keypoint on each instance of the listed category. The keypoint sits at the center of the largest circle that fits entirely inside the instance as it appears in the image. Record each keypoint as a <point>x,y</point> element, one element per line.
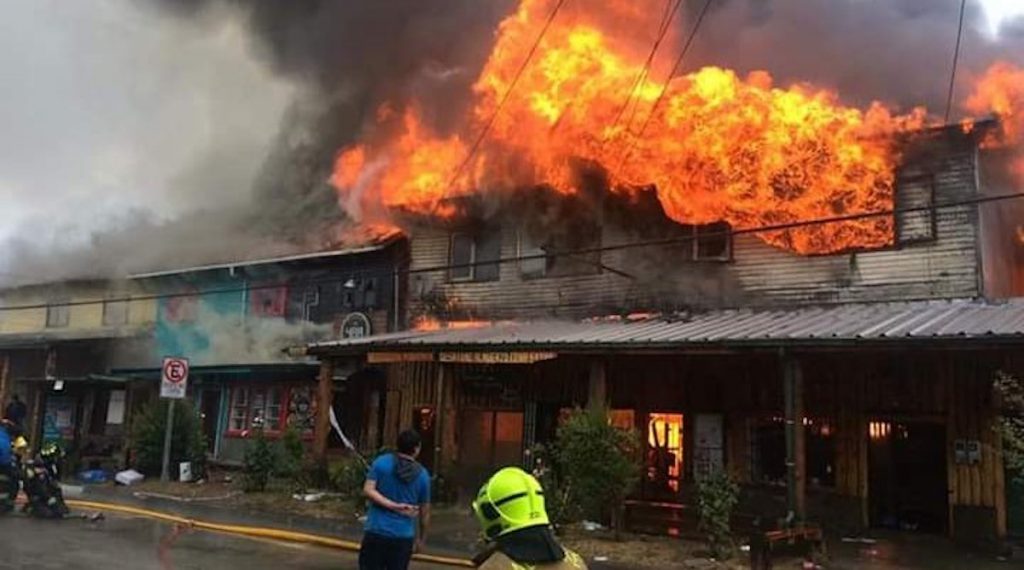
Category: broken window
<point>571,251</point>
<point>58,314</point>
<point>474,257</point>
<point>531,248</point>
<point>310,301</point>
<point>915,210</point>
<point>768,451</point>
<point>115,312</point>
<point>706,242</point>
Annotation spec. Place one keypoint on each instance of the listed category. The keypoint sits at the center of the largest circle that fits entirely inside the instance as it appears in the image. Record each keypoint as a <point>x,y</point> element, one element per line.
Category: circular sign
<point>355,325</point>
<point>175,370</point>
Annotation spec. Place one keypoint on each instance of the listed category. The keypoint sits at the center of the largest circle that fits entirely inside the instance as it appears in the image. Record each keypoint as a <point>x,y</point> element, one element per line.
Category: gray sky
<point>107,108</point>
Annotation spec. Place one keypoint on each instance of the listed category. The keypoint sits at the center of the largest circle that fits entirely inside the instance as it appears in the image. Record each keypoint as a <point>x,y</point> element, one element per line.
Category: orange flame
<point>715,145</point>
<point>1001,91</point>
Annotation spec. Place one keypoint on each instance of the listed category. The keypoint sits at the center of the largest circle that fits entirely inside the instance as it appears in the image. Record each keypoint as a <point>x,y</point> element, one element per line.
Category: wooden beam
<point>796,457</point>
<point>597,388</point>
<point>5,381</point>
<point>439,423</point>
<point>324,400</point>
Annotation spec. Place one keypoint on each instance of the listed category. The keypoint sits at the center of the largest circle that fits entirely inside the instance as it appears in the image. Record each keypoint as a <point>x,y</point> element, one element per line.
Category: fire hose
<point>182,523</point>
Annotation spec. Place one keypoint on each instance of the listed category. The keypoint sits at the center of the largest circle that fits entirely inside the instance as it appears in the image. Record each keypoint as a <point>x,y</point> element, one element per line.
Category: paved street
<point>135,543</point>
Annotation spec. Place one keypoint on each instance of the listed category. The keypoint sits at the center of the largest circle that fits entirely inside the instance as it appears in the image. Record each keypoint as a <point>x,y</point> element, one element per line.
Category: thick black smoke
<point>895,51</point>
<point>352,55</point>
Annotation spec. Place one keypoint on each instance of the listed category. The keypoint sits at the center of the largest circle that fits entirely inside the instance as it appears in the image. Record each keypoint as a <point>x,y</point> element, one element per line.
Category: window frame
<point>899,218</point>
<point>111,302</point>
<point>58,314</point>
<point>828,435</point>
<point>474,264</point>
<point>283,392</point>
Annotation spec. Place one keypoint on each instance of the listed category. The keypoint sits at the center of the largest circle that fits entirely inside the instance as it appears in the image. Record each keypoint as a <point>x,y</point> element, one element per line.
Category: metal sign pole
<point>165,474</point>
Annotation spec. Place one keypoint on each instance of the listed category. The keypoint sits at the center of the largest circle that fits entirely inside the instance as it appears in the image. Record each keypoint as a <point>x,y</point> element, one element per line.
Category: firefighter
<point>9,433</point>
<point>510,509</point>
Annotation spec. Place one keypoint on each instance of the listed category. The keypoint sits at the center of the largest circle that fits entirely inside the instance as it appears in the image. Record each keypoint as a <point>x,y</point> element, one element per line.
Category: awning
<point>268,371</point>
<point>929,322</point>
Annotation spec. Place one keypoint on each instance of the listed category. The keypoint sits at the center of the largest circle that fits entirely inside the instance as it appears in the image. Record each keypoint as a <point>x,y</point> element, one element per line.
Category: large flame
<point>714,144</point>
<point>1001,91</point>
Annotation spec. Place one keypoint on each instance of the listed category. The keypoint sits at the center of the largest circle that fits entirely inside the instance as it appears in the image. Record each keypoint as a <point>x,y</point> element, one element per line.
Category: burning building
<point>711,257</point>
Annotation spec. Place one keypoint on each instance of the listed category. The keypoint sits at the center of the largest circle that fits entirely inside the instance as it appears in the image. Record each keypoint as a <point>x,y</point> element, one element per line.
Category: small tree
<point>1010,423</point>
<point>557,492</point>
<point>258,462</point>
<point>188,443</point>
<point>717,495</point>
<point>291,464</point>
<point>599,464</point>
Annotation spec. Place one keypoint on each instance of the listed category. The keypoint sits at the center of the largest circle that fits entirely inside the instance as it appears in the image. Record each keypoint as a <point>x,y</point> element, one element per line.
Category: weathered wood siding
<point>758,274</point>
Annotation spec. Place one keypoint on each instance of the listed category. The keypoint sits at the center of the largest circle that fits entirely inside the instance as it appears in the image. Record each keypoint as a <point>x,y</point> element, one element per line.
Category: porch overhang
<point>269,371</point>
<point>961,323</point>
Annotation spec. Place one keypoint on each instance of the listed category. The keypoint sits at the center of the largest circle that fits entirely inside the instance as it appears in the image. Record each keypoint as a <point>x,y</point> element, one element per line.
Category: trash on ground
<point>93,476</point>
<point>859,540</point>
<point>308,497</point>
<point>745,548</point>
<point>591,526</point>
<point>129,477</point>
<point>600,559</point>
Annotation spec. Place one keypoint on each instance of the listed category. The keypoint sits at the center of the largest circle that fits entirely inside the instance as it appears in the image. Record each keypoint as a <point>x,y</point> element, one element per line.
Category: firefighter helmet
<point>511,500</point>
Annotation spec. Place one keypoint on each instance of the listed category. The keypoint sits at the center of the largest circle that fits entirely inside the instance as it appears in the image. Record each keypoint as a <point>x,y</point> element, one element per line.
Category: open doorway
<point>664,457</point>
<point>211,417</point>
<point>907,475</point>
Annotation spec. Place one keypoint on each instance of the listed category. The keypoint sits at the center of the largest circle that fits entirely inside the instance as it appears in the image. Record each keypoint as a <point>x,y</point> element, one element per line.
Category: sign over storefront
<point>356,325</point>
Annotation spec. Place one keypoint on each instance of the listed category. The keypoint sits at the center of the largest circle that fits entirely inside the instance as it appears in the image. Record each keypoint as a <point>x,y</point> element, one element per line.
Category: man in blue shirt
<point>8,473</point>
<point>399,492</point>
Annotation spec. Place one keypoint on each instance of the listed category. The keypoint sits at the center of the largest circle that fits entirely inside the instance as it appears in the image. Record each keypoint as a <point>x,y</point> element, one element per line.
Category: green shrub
<point>1010,423</point>
<point>557,492</point>
<point>187,440</point>
<point>258,464</point>
<point>717,496</point>
<point>597,464</point>
<point>291,464</point>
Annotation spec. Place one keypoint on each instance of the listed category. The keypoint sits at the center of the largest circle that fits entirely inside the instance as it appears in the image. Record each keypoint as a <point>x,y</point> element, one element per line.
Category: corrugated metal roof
<point>878,322</point>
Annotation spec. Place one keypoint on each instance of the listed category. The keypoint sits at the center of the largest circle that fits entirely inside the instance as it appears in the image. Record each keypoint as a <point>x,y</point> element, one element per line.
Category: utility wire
<point>668,81</point>
<point>956,59</point>
<point>679,240</point>
<point>641,77</point>
<point>501,104</point>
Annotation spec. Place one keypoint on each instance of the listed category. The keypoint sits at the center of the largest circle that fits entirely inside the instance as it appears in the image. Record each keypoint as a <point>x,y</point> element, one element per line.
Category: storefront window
<point>264,408</point>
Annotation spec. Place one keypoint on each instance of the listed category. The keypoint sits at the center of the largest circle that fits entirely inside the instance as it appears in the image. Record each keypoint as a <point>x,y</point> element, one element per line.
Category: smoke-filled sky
<point>118,115</point>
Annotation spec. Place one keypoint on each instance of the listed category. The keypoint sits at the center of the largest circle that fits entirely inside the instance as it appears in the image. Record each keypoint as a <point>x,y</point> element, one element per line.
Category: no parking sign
<point>174,378</point>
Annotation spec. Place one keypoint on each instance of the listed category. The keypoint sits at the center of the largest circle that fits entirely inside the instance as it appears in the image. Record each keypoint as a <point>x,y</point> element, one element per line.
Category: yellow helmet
<point>20,444</point>
<point>511,500</point>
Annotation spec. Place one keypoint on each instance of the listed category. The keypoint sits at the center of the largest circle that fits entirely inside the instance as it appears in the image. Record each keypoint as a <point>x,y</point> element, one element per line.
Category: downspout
<point>396,316</point>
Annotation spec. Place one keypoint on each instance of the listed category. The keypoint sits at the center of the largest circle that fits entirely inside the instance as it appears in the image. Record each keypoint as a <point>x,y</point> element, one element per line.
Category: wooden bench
<point>763,543</point>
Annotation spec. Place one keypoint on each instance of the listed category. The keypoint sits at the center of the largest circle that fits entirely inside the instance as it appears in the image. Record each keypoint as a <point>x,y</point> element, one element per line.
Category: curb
<point>253,531</point>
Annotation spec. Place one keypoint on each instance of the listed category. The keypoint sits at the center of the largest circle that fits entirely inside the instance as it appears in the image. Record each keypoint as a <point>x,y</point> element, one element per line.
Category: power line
<point>668,80</point>
<point>501,104</point>
<point>956,59</point>
<point>680,240</point>
<point>641,77</point>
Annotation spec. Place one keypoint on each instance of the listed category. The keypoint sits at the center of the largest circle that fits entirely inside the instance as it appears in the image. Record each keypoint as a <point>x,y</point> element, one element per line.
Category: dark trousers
<point>8,487</point>
<point>384,553</point>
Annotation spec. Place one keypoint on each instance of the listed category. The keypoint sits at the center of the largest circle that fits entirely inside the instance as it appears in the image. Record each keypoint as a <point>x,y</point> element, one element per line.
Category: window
<point>768,453</point>
<point>115,312</point>
<point>706,242</point>
<point>470,256</point>
<point>58,315</point>
<point>267,301</point>
<point>310,301</point>
<point>239,409</point>
<point>182,308</point>
<point>915,193</point>
<point>252,407</point>
<point>562,263</point>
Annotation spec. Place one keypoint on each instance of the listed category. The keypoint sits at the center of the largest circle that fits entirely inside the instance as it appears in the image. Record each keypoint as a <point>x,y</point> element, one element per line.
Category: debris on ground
<point>129,477</point>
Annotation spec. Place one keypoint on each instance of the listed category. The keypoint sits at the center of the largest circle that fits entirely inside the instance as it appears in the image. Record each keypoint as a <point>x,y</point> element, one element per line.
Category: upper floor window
<point>115,312</point>
<point>58,314</point>
<point>267,301</point>
<point>310,302</point>
<point>707,242</point>
<point>575,253</point>
<point>473,257</point>
<point>915,210</point>
<point>182,308</point>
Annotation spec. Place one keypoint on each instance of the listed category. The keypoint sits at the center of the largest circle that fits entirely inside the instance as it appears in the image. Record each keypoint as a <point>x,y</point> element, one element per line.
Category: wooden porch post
<point>5,381</point>
<point>325,397</point>
<point>442,374</point>
<point>796,457</point>
<point>597,390</point>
